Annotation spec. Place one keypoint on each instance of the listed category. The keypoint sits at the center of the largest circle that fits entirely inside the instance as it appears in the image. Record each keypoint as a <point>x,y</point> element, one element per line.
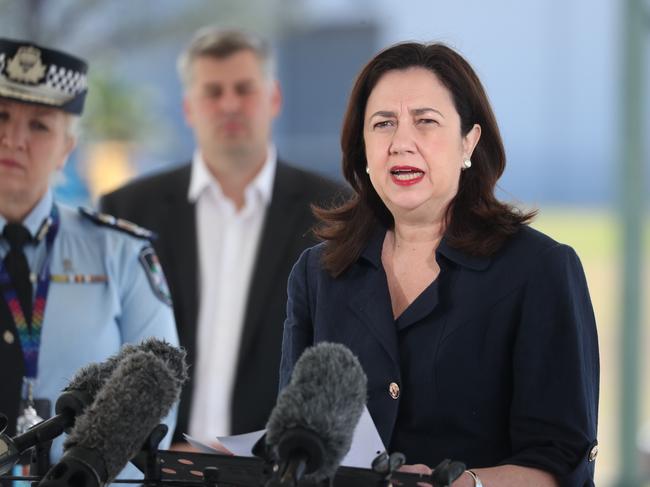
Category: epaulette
<point>117,223</point>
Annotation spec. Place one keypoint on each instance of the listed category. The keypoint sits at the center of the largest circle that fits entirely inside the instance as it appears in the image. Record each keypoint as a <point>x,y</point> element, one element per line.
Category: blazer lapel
<point>277,236</point>
<point>181,250</point>
<point>370,303</point>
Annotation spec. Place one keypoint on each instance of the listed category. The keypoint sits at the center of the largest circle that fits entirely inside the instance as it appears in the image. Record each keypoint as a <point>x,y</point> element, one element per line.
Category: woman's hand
<point>463,481</point>
<point>503,476</point>
<point>417,468</point>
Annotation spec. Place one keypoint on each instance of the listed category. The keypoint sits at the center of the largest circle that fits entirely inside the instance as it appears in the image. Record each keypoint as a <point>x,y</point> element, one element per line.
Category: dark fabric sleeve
<point>298,329</point>
<point>554,409</point>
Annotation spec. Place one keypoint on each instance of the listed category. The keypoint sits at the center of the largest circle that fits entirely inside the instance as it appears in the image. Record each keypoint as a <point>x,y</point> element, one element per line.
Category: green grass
<point>594,234</point>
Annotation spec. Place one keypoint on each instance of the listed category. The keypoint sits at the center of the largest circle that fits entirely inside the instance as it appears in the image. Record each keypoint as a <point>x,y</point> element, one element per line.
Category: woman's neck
<point>423,236</point>
<point>15,210</point>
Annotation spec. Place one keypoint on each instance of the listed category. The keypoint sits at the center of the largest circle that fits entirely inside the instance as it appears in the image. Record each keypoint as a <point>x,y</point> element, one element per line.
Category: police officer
<point>74,286</point>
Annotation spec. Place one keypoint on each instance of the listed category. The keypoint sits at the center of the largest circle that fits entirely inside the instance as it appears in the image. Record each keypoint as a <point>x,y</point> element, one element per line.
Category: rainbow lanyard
<point>30,336</point>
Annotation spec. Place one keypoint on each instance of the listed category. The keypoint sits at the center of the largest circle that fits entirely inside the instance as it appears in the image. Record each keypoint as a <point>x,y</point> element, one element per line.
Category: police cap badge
<point>34,74</point>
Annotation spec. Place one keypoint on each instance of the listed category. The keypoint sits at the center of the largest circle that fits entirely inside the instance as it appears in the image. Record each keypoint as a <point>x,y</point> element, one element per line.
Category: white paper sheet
<point>366,443</point>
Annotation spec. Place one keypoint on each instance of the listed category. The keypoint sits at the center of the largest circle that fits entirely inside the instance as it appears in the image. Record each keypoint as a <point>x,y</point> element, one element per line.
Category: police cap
<point>34,74</point>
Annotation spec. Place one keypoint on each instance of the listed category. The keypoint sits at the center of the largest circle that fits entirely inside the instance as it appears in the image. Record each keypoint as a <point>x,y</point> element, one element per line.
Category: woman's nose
<point>402,141</point>
<point>12,136</point>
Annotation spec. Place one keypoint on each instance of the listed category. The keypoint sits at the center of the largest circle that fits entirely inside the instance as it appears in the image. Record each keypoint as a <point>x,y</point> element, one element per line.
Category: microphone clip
<point>446,472</point>
<point>386,465</point>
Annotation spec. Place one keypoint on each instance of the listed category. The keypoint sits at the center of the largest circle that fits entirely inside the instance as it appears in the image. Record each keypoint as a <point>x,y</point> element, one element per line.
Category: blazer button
<point>8,337</point>
<point>393,390</point>
<point>593,453</point>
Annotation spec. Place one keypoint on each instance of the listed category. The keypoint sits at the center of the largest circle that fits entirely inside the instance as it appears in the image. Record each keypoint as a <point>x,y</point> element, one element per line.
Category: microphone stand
<point>152,463</point>
<point>164,468</point>
<point>441,476</point>
<point>386,465</point>
<point>40,459</point>
<point>209,470</point>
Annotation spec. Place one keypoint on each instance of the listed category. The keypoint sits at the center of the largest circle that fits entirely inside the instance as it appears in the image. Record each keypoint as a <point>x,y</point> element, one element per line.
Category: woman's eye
<point>427,121</point>
<point>383,124</point>
<point>38,125</point>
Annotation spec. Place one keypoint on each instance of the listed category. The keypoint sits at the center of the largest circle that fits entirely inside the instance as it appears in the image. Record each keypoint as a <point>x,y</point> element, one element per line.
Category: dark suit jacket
<point>496,361</point>
<point>160,203</point>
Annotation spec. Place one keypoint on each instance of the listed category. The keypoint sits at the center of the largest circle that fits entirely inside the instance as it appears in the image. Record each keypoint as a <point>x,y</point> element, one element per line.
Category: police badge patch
<point>153,269</point>
<point>26,66</point>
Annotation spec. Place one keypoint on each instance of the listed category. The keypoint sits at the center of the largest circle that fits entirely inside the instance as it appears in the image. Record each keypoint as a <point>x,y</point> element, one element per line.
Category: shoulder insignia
<point>117,223</point>
<point>155,274</point>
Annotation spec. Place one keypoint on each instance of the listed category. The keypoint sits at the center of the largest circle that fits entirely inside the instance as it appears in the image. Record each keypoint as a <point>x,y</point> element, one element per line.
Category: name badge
<point>79,278</point>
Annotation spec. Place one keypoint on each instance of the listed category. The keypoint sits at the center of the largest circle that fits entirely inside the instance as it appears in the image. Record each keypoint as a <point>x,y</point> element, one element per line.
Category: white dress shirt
<point>227,247</point>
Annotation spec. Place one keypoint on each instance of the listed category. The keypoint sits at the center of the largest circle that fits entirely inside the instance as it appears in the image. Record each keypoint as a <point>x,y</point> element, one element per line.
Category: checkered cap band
<point>66,80</point>
<point>37,74</point>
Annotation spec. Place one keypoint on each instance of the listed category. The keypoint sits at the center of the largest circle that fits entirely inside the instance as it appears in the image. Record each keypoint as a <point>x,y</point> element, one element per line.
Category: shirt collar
<point>37,216</point>
<point>474,262</point>
<point>262,184</point>
<point>372,252</point>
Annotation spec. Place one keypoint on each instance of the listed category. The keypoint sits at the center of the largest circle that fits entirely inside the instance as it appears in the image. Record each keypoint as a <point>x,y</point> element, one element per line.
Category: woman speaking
<point>476,332</point>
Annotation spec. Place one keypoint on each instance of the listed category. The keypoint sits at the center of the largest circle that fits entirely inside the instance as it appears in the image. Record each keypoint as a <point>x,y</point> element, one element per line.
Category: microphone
<point>173,357</point>
<point>80,393</point>
<point>135,398</point>
<point>68,406</point>
<point>311,427</point>
<point>92,377</point>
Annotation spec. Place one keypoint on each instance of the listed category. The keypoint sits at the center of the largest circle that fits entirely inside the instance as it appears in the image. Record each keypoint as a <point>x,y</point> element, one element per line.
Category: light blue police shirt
<point>89,321</point>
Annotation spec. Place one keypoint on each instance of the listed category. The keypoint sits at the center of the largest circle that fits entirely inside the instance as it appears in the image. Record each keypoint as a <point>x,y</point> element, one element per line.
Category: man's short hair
<point>220,43</point>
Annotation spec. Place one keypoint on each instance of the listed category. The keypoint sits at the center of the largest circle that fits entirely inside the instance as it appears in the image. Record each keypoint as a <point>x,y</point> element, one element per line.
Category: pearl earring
<point>467,163</point>
<point>367,170</point>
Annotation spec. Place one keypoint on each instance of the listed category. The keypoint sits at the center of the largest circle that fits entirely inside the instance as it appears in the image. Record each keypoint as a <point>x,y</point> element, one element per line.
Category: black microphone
<point>80,393</point>
<point>69,405</point>
<point>134,399</point>
<point>311,427</point>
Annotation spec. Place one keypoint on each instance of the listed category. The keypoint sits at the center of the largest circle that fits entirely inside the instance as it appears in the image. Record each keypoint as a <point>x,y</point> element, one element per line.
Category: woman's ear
<point>69,144</point>
<point>470,140</point>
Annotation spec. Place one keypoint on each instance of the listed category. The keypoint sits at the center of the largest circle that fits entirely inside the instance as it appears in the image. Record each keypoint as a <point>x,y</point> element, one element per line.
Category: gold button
<point>593,453</point>
<point>393,390</point>
<point>8,337</point>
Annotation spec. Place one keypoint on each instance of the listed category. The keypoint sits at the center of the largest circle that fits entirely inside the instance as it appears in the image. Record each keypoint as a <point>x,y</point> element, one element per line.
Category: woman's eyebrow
<point>422,111</point>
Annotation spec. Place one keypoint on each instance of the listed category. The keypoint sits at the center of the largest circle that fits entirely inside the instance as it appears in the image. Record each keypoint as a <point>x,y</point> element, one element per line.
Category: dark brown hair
<point>476,222</point>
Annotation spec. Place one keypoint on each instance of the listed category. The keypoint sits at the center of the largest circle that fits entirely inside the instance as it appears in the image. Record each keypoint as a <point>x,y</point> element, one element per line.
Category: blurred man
<point>230,223</point>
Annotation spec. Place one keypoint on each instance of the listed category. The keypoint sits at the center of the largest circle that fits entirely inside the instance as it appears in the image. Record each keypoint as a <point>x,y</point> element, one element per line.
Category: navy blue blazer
<point>496,361</point>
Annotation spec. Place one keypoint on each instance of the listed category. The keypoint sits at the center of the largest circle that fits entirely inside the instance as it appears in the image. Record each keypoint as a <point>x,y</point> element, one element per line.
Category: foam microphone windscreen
<point>93,376</point>
<point>78,394</point>
<point>134,399</point>
<point>173,357</point>
<point>325,399</point>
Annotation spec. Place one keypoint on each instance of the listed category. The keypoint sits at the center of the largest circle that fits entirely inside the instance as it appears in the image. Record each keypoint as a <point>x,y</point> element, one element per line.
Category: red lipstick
<point>9,162</point>
<point>406,175</point>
